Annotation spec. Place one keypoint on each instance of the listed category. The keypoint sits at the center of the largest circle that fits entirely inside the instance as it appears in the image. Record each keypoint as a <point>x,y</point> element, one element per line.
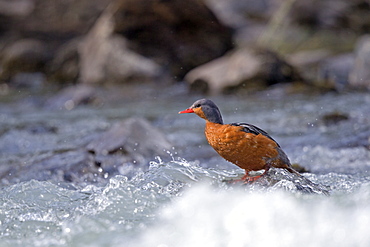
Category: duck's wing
<point>249,128</point>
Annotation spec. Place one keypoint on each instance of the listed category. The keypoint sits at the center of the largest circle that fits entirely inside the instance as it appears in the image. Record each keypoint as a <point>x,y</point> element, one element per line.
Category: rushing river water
<point>182,199</point>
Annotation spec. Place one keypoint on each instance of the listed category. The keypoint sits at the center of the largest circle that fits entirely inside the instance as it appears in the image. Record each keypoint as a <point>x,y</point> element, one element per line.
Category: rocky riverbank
<point>214,45</point>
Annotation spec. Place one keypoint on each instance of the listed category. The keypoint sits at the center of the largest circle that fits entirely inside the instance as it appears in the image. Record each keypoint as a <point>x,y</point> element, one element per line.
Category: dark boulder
<point>51,20</point>
<point>24,55</point>
<point>178,35</point>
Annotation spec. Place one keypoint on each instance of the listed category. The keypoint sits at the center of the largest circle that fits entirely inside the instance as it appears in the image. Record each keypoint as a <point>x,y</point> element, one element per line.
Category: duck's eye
<point>197,105</point>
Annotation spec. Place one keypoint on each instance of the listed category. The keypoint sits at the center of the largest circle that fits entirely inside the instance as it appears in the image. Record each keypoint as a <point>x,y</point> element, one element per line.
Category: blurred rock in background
<point>360,74</point>
<point>179,35</point>
<point>241,68</point>
<point>216,43</point>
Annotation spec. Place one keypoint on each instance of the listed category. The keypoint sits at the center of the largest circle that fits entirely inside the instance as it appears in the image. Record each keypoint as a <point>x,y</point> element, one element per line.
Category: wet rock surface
<point>52,150</point>
<point>134,135</point>
<point>71,97</point>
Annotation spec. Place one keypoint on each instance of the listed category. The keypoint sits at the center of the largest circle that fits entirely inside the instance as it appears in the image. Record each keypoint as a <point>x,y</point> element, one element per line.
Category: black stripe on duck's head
<point>205,109</point>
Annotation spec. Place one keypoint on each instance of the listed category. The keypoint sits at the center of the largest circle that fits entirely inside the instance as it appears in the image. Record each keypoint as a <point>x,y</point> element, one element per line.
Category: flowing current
<point>183,198</point>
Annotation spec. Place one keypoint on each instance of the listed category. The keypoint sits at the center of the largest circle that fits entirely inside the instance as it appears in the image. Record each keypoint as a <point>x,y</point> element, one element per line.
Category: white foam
<point>208,217</point>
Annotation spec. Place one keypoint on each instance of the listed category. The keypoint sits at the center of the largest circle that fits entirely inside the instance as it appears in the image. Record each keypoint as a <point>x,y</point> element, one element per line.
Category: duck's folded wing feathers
<point>249,128</point>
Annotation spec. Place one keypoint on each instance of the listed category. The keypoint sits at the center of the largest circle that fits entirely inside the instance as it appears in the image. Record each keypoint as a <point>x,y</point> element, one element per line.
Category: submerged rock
<point>124,149</point>
<point>71,97</point>
<point>68,166</point>
<point>127,146</point>
<point>334,118</point>
<point>134,136</point>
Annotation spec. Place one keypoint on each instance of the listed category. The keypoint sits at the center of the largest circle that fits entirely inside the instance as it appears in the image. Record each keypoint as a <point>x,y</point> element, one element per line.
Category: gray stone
<point>360,74</point>
<point>239,68</point>
<point>104,57</point>
<point>71,97</point>
<point>334,71</point>
<point>133,137</point>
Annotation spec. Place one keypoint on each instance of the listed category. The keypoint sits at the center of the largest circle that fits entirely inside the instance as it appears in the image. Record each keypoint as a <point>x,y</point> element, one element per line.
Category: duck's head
<point>205,109</point>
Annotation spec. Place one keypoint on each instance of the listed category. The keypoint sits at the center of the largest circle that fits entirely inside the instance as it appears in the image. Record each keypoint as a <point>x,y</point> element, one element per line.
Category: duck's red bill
<point>187,111</point>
